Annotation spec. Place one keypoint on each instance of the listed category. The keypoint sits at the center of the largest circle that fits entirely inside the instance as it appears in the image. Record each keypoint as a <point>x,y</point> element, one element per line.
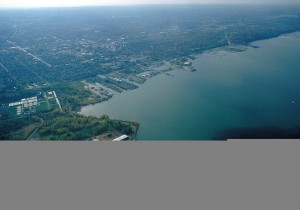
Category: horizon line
<point>145,4</point>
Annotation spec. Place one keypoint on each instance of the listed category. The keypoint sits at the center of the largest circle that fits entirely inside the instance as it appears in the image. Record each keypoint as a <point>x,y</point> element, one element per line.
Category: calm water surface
<point>260,86</point>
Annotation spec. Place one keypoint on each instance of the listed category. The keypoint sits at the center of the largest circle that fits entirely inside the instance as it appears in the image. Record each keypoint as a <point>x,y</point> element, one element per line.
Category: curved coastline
<point>251,44</point>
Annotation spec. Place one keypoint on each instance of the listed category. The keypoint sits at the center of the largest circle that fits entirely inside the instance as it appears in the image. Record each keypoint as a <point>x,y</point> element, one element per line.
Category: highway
<point>23,50</point>
<point>7,71</point>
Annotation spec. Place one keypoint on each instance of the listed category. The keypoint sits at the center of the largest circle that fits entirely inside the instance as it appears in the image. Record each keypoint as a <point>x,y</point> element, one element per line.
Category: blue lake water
<point>256,87</point>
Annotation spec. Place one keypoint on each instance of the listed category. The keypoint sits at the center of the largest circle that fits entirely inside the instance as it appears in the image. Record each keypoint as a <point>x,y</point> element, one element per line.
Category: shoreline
<point>248,46</point>
<point>216,49</point>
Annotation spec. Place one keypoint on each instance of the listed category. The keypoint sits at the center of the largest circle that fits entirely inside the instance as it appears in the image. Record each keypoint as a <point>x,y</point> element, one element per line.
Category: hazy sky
<point>54,3</point>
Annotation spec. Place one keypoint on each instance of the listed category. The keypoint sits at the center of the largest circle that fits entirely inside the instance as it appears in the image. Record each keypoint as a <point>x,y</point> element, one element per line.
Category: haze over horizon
<point>71,3</point>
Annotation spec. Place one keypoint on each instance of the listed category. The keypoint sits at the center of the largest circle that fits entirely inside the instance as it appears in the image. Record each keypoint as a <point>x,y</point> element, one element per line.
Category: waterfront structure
<point>121,138</point>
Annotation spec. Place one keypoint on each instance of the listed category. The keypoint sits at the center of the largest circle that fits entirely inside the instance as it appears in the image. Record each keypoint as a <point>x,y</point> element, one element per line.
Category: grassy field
<point>11,111</point>
<point>42,107</point>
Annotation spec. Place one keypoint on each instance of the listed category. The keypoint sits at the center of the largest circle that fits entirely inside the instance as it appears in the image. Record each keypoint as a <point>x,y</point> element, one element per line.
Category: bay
<point>256,87</point>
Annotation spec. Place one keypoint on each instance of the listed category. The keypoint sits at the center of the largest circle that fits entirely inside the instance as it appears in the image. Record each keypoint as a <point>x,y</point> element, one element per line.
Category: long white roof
<point>120,138</point>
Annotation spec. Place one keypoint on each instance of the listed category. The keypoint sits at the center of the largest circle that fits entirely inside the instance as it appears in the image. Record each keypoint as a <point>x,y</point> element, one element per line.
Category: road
<point>32,134</point>
<point>14,33</point>
<point>35,57</point>
<point>35,130</point>
<point>57,100</point>
<point>7,71</point>
<point>228,40</point>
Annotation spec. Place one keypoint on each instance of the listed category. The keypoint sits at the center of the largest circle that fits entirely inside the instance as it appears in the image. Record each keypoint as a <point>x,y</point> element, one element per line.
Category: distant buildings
<point>27,102</point>
<point>25,106</point>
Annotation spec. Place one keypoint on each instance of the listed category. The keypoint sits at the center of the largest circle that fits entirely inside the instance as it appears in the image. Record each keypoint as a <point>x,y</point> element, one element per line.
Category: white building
<point>121,138</point>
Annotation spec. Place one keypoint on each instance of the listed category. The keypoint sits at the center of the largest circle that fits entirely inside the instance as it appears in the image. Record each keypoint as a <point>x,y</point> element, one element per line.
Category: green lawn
<point>12,111</point>
<point>42,107</point>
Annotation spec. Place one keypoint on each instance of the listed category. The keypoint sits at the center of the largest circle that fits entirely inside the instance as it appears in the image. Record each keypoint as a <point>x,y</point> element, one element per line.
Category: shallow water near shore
<point>256,87</point>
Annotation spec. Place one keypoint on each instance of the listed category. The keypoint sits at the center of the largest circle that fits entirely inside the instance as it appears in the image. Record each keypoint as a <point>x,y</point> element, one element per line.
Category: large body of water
<point>256,87</point>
